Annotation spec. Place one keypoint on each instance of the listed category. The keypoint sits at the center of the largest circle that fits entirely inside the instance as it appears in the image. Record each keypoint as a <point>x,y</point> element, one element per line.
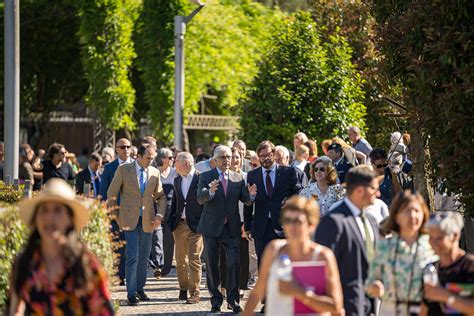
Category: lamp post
<point>12,89</point>
<point>179,32</point>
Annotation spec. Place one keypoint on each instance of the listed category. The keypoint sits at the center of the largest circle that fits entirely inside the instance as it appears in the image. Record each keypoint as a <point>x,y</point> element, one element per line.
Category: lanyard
<point>394,268</point>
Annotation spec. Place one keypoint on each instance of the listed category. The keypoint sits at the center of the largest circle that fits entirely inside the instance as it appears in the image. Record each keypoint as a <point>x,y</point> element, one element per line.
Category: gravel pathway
<point>164,299</point>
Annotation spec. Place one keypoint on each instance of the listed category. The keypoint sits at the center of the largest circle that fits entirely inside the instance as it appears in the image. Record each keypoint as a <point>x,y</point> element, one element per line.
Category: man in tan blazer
<point>139,186</point>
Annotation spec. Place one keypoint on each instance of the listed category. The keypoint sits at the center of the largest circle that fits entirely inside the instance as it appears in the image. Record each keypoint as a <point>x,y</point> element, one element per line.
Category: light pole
<point>179,31</point>
<point>12,89</point>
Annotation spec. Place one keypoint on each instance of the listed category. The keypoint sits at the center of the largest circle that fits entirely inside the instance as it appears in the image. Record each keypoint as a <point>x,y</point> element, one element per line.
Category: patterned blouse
<point>334,193</point>
<point>393,265</point>
<point>43,298</point>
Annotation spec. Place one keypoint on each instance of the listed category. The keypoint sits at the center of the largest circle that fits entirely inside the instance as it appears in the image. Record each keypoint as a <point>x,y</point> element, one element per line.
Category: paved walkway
<point>164,299</point>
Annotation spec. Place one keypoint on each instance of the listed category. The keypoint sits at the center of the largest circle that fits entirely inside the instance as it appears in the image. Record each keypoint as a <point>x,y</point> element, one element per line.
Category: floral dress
<point>399,267</point>
<point>334,193</point>
<point>43,298</point>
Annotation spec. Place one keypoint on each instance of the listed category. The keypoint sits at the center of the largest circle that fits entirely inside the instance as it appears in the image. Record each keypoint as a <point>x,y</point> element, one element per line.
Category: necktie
<point>369,242</point>
<point>269,185</point>
<point>224,183</point>
<point>96,183</point>
<point>142,180</point>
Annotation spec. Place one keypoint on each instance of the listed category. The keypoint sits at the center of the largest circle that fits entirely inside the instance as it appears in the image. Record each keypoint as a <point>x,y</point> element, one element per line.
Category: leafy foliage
<point>8,194</point>
<point>304,84</point>
<point>108,52</point>
<point>223,44</point>
<point>354,21</point>
<point>428,47</point>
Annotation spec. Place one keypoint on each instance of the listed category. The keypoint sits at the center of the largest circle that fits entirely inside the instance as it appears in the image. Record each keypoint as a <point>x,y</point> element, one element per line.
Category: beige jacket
<point>125,182</point>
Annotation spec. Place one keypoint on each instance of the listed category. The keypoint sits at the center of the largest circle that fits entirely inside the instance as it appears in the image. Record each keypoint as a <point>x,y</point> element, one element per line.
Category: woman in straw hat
<point>56,274</point>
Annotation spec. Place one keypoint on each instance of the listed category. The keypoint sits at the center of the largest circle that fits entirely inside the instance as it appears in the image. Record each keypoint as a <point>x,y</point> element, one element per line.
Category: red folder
<point>311,275</point>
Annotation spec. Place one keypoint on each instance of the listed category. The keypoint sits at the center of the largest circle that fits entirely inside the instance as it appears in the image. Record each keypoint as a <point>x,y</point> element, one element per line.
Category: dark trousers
<point>162,248</point>
<point>261,243</point>
<point>231,246</point>
<point>244,264</point>
<point>118,238</point>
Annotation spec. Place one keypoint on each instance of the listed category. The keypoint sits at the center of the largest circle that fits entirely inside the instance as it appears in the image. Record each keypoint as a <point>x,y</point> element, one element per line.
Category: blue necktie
<point>142,181</point>
<point>96,183</point>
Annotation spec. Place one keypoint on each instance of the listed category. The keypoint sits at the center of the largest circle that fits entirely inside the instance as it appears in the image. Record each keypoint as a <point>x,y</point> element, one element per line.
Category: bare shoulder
<point>326,254</point>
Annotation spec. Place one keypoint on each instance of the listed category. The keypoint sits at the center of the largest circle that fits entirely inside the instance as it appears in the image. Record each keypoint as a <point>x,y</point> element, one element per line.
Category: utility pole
<point>12,88</point>
<point>179,32</point>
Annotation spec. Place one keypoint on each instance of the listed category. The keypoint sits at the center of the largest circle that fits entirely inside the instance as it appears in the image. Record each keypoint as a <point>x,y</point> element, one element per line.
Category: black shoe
<point>122,282</point>
<point>132,301</point>
<point>183,295</point>
<point>142,296</point>
<point>235,308</point>
<point>263,309</point>
<point>157,273</point>
<point>216,309</point>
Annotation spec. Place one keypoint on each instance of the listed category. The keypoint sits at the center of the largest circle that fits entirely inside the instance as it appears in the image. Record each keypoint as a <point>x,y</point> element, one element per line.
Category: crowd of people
<point>234,214</point>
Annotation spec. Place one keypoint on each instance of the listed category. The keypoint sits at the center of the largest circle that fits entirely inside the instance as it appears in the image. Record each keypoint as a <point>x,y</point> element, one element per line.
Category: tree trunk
<point>422,169</point>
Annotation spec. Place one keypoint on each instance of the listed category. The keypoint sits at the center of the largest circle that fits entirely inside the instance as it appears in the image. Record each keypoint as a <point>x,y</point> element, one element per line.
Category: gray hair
<point>283,149</point>
<point>108,151</point>
<point>355,129</point>
<point>448,222</point>
<point>220,149</point>
<point>162,153</point>
<point>184,156</point>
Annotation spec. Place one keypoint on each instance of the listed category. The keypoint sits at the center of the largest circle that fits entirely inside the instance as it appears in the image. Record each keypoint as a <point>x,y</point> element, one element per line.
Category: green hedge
<point>14,233</point>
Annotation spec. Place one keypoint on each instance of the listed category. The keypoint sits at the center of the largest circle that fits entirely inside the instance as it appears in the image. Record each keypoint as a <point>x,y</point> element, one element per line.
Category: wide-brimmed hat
<point>55,190</point>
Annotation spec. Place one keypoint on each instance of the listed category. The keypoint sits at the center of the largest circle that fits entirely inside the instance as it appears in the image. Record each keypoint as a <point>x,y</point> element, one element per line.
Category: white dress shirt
<point>185,185</point>
<point>356,212</point>
<point>129,160</point>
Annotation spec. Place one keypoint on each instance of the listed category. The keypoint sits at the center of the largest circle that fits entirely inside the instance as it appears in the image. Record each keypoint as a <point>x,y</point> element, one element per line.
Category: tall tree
<point>304,84</point>
<point>428,47</point>
<point>107,56</point>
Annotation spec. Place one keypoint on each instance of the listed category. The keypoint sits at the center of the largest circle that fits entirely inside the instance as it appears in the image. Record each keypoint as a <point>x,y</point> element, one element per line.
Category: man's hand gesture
<point>252,189</point>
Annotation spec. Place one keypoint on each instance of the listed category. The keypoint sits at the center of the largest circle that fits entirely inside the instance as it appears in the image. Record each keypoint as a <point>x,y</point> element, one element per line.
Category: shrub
<point>305,83</point>
<point>14,233</point>
<point>8,194</point>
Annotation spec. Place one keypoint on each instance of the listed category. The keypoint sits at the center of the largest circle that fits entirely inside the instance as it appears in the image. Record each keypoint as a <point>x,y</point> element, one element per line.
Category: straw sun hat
<point>55,190</point>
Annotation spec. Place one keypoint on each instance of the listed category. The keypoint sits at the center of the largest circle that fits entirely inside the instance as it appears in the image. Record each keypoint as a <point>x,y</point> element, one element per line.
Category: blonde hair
<point>304,205</point>
<point>340,141</point>
<point>300,150</point>
<point>301,136</point>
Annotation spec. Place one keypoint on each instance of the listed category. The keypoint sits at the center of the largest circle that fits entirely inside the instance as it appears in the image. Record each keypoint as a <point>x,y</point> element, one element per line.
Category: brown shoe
<point>194,299</point>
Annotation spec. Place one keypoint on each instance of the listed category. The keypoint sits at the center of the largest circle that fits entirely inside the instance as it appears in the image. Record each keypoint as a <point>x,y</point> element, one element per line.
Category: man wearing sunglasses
<point>123,148</point>
<point>390,185</point>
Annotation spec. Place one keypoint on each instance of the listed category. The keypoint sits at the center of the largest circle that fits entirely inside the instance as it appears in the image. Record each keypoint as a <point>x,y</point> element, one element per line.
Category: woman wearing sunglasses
<point>322,186</point>
<point>299,218</point>
<point>396,273</point>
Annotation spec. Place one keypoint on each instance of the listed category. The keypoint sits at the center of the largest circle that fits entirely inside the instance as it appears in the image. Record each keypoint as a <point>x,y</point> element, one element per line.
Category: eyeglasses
<point>224,157</point>
<point>380,166</point>
<point>124,147</point>
<point>293,220</point>
<point>316,169</point>
<point>269,155</point>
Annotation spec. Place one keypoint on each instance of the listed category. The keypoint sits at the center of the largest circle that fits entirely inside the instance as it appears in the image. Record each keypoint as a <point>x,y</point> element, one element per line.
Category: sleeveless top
<point>277,304</point>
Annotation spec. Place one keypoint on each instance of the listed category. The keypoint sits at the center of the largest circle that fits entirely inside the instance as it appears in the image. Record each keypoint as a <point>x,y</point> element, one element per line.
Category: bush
<point>14,233</point>
<point>305,83</point>
<point>8,194</point>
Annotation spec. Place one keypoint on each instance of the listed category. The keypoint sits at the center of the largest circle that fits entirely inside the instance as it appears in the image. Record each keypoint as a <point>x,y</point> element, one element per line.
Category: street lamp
<point>179,31</point>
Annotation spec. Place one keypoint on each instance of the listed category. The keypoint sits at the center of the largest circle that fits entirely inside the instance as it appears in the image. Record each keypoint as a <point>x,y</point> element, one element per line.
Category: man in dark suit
<point>122,147</point>
<point>276,183</point>
<point>220,190</point>
<point>337,156</point>
<point>352,235</point>
<point>183,221</point>
<point>90,175</point>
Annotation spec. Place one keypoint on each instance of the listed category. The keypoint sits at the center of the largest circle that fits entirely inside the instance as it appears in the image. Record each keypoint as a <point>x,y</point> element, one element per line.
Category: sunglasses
<point>380,166</point>
<point>320,169</point>
<point>254,165</point>
<point>170,158</point>
<point>293,220</point>
<point>124,147</point>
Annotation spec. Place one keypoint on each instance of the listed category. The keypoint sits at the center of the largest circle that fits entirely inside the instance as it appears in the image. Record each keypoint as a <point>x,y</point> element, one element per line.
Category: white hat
<point>55,190</point>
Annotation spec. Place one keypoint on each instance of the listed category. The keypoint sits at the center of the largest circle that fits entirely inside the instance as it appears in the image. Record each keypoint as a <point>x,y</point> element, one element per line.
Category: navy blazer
<point>342,168</point>
<point>83,177</point>
<point>286,185</point>
<point>106,177</point>
<point>221,205</point>
<point>178,202</point>
<point>339,231</point>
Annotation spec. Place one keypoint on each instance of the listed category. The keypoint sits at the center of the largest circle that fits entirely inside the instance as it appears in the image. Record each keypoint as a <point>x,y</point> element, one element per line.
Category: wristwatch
<point>450,300</point>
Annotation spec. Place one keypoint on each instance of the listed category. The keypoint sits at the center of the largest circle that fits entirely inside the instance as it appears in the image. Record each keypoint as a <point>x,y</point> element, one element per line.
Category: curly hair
<point>330,169</point>
<point>301,204</point>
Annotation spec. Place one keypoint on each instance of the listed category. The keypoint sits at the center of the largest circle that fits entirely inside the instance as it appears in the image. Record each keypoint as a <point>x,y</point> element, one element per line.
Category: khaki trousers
<point>189,246</point>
